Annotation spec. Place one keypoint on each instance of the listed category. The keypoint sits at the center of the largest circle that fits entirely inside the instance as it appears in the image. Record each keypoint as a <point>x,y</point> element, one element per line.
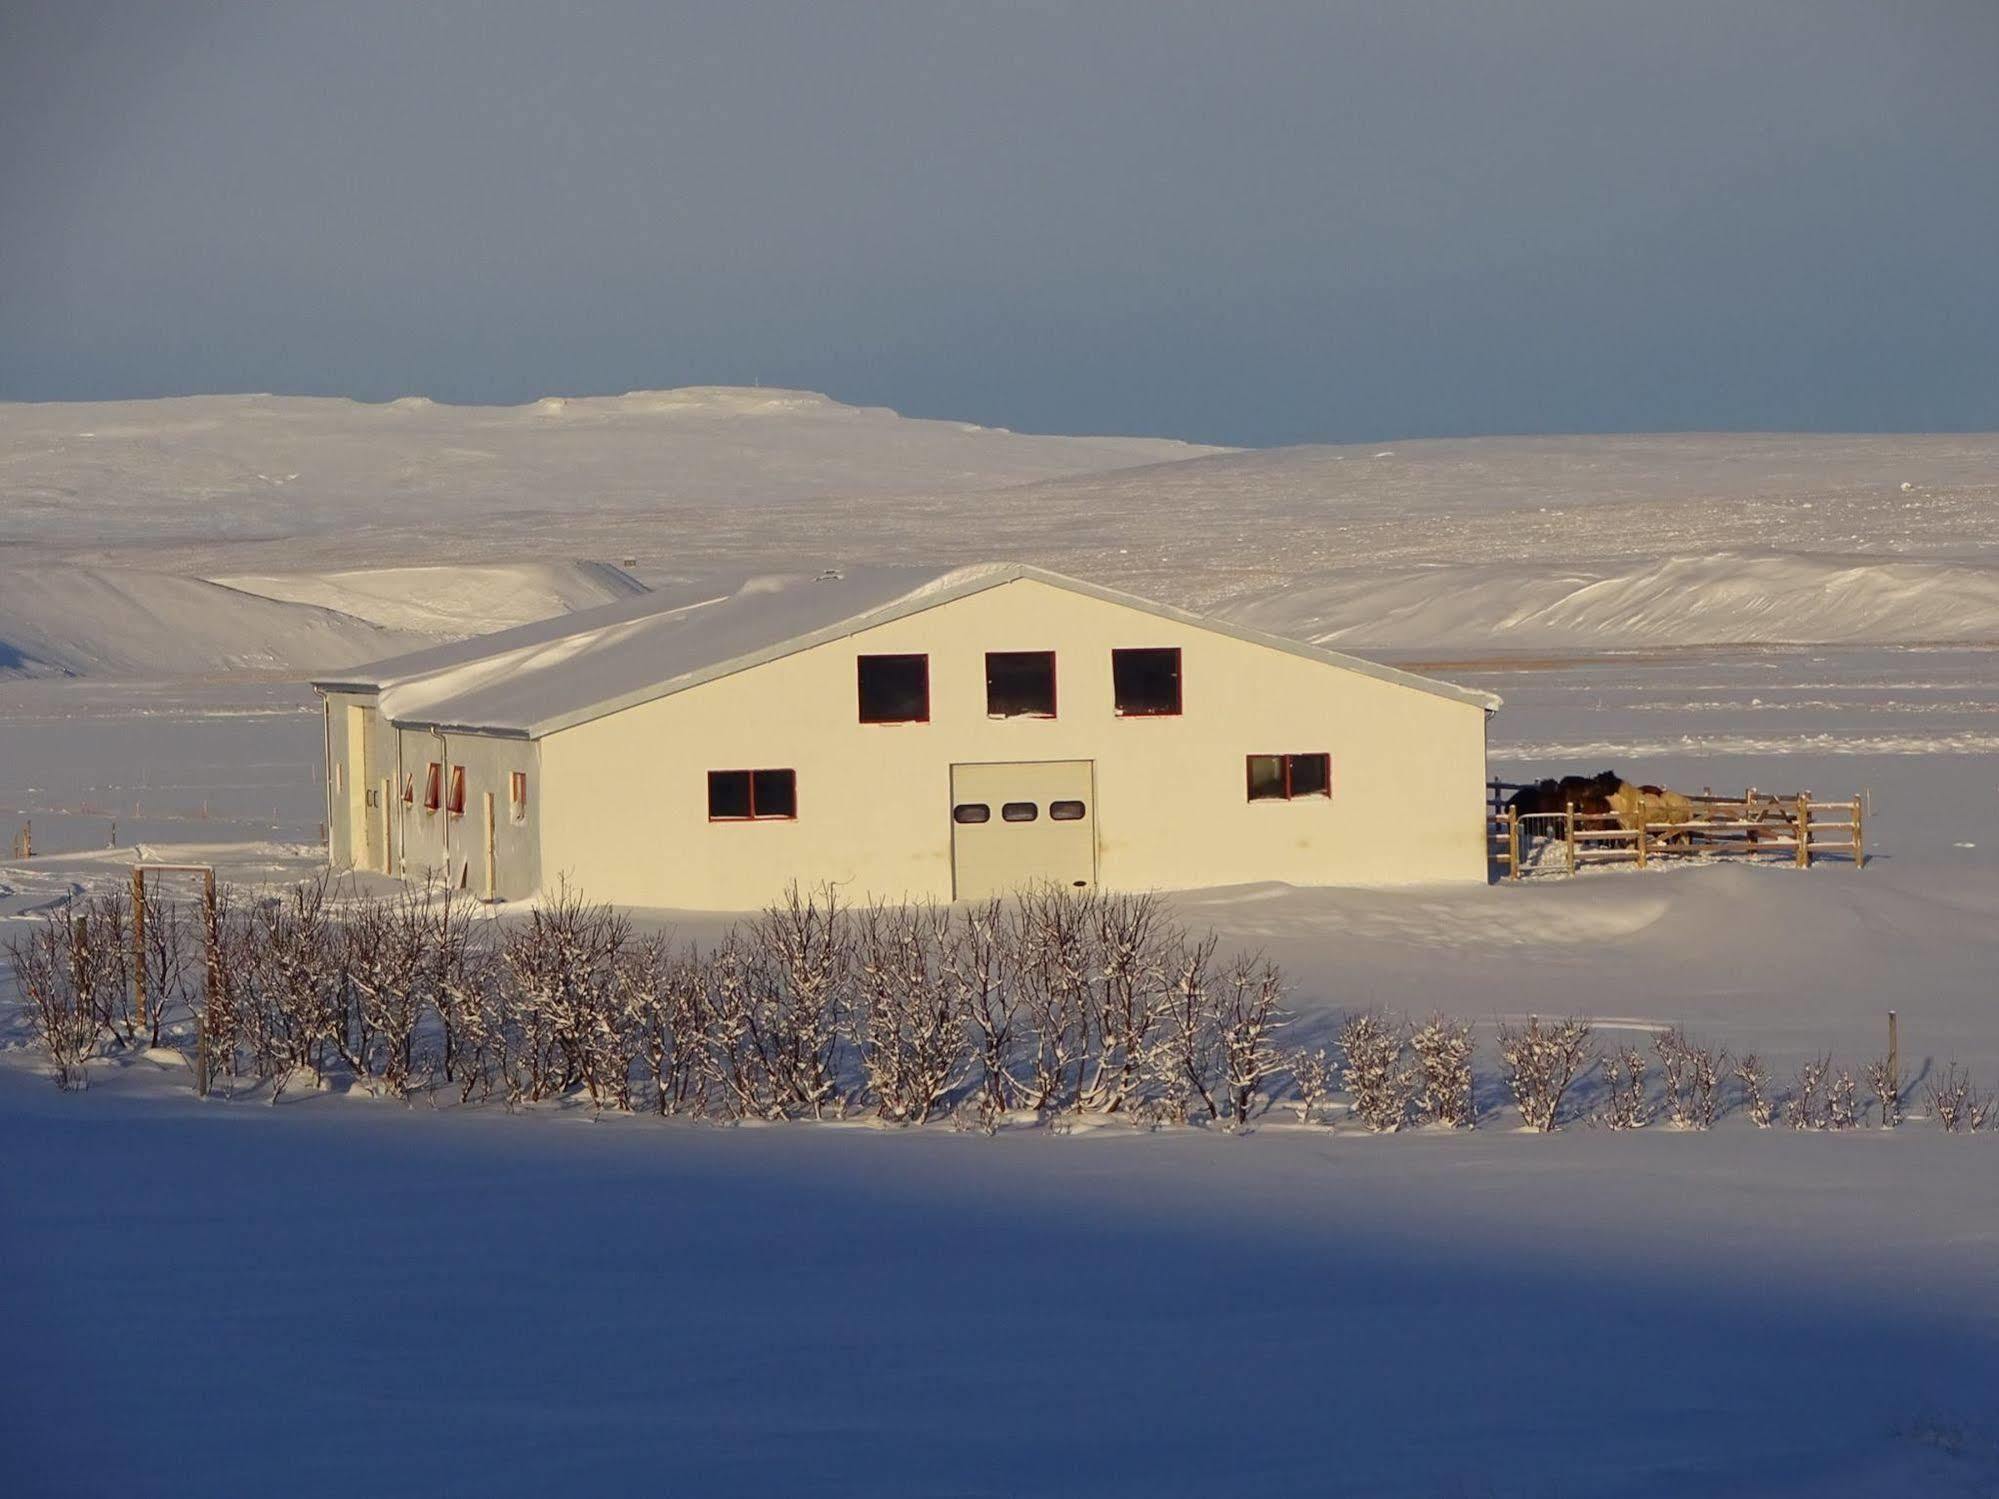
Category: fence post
<point>1804,830</point>
<point>1641,835</point>
<point>1513,842</point>
<point>1859,831</point>
<point>139,941</point>
<point>1569,824</point>
<point>1894,1050</point>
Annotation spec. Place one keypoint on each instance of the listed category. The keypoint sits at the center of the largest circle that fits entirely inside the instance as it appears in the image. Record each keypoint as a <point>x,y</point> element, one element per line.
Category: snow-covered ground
<point>345,1293</point>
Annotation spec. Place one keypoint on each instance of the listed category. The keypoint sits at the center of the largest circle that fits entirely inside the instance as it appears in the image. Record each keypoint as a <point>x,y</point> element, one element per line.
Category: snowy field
<point>344,1293</point>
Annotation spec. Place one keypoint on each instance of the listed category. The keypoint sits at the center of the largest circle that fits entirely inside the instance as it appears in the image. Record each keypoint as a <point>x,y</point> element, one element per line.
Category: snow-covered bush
<point>1248,1017</point>
<point>1187,1065</point>
<point>1804,1105</point>
<point>1057,976</point>
<point>1754,1077</point>
<point>910,1029</point>
<point>980,964</point>
<point>47,965</point>
<point>800,988</point>
<point>1377,1082</point>
<point>1130,995</point>
<point>1692,1075</point>
<point>1312,1075</point>
<point>1445,1086</point>
<point>1951,1099</point>
<point>1542,1060</point>
<point>1886,1083</point>
<point>1624,1105</point>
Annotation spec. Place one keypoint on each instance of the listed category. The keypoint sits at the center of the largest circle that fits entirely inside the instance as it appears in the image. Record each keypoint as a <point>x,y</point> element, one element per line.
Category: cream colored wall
<point>454,848</point>
<point>623,809</point>
<point>363,760</point>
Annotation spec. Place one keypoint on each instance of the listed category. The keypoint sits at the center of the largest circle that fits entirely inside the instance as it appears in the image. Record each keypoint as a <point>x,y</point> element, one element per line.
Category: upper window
<point>1020,684</point>
<point>752,795</point>
<point>409,788</point>
<point>517,794</point>
<point>895,689</point>
<point>457,807</point>
<point>1283,778</point>
<point>1146,683</point>
<point>433,787</point>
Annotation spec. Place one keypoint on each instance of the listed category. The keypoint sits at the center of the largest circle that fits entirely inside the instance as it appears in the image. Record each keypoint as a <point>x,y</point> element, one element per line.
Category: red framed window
<point>1020,684</point>
<point>1286,778</point>
<point>1145,683</point>
<point>433,787</point>
<point>517,794</point>
<point>894,689</point>
<point>752,795</point>
<point>457,803</point>
<point>409,789</point>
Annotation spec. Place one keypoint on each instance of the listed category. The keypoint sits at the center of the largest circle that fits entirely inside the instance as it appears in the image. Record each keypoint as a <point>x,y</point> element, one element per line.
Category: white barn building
<point>899,734</point>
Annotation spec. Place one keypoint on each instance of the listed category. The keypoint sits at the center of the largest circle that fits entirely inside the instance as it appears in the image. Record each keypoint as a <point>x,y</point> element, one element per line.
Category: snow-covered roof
<point>556,673</point>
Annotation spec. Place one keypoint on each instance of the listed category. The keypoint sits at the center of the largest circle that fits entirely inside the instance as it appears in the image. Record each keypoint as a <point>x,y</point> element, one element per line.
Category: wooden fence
<point>1759,825</point>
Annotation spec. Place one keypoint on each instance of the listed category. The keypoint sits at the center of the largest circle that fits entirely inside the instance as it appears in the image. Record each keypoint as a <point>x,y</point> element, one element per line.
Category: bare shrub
<point>1372,1070</point>
<point>661,992</point>
<point>1130,997</point>
<point>1692,1076</point>
<point>1842,1101</point>
<point>295,985</point>
<point>1444,1049</point>
<point>560,1021</point>
<point>1056,973</point>
<point>801,991</point>
<point>169,964</point>
<point>910,1029</point>
<point>981,962</point>
<point>1624,1104</point>
<point>1978,1110</point>
<point>1248,1018</point>
<point>1804,1105</point>
<point>1754,1077</point>
<point>1188,1064</point>
<point>1312,1075</point>
<point>1542,1060</point>
<point>1886,1082</point>
<point>46,968</point>
<point>1951,1097</point>
<point>389,961</point>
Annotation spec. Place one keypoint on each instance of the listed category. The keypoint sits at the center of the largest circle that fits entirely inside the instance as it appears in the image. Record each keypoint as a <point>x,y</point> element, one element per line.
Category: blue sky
<point>1251,223</point>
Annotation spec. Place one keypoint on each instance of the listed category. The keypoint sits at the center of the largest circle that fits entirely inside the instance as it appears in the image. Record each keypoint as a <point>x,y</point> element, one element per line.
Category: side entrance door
<point>1018,823</point>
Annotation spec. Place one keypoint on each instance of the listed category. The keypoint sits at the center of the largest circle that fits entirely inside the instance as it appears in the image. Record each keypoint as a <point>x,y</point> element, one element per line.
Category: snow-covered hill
<point>232,468</point>
<point>441,521</point>
<point>448,602</point>
<point>87,621</point>
<point>1722,599</point>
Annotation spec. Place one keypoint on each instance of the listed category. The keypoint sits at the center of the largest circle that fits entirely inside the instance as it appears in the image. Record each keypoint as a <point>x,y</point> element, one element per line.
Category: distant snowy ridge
<point>1723,599</point>
<point>88,621</point>
<point>447,601</point>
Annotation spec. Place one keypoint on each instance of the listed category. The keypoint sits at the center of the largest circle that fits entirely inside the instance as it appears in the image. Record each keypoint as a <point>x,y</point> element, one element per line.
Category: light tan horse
<point>1649,806</point>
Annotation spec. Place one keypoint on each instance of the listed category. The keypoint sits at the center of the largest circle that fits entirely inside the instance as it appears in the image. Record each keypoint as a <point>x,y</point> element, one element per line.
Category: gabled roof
<point>557,673</point>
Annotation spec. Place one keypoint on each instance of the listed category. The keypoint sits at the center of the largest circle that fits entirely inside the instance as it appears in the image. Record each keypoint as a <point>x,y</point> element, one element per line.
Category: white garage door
<point>1023,823</point>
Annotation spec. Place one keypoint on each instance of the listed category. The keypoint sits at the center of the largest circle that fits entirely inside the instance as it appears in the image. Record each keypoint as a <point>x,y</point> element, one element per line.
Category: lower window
<point>752,795</point>
<point>1283,778</point>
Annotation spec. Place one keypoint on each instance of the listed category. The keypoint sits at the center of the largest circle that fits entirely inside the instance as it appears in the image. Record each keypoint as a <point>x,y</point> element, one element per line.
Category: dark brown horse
<point>1584,793</point>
